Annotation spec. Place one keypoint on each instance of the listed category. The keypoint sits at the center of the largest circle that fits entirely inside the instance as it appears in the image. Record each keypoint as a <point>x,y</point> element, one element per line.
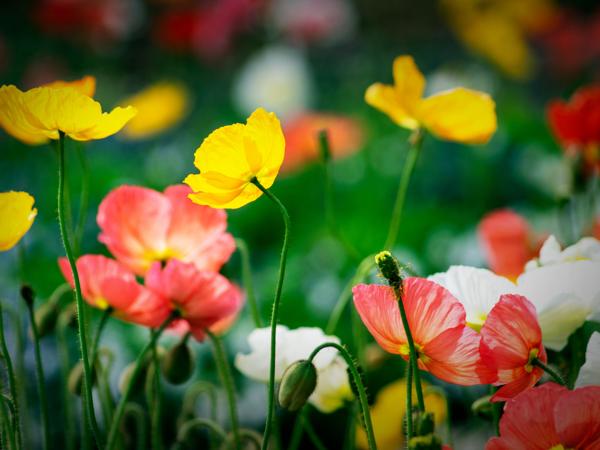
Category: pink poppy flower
<point>550,417</point>
<point>511,339</point>
<point>107,283</point>
<point>205,300</point>
<point>446,346</point>
<point>508,242</point>
<point>140,226</point>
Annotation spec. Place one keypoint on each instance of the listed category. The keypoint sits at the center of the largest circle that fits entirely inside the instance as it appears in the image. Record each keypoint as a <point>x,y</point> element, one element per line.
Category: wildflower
<point>107,283</point>
<point>446,347</point>
<point>140,226</point>
<point>159,106</point>
<point>511,343</point>
<point>550,417</point>
<point>301,136</point>
<point>507,241</point>
<point>586,249</point>
<point>16,215</point>
<point>231,157</point>
<point>39,114</point>
<point>389,411</point>
<point>460,114</point>
<point>589,373</point>
<point>205,300</point>
<point>477,289</point>
<point>576,125</point>
<point>333,386</point>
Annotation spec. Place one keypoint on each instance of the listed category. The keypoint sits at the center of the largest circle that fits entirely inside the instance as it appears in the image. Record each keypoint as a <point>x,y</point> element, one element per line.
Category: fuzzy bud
<point>389,268</point>
<point>178,363</point>
<point>297,385</point>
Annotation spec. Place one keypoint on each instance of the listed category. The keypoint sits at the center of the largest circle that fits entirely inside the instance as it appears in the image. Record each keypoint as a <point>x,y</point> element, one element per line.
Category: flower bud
<point>178,363</point>
<point>75,380</point>
<point>423,424</point>
<point>483,408</point>
<point>45,318</point>
<point>428,442</point>
<point>28,295</point>
<point>389,268</point>
<point>297,384</point>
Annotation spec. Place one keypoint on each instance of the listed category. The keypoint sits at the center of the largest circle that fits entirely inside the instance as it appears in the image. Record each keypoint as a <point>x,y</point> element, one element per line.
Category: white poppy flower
<point>588,248</point>
<point>477,289</point>
<point>589,374</point>
<point>333,386</point>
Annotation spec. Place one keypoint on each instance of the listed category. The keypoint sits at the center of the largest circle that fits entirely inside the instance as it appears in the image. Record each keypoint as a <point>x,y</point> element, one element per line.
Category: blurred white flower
<point>477,289</point>
<point>333,386</point>
<point>587,248</point>
<point>589,374</point>
<point>277,79</point>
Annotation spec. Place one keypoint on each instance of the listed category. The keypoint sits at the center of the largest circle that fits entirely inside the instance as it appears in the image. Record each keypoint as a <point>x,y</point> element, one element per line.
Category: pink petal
<point>134,223</point>
<point>198,233</point>
<point>577,417</point>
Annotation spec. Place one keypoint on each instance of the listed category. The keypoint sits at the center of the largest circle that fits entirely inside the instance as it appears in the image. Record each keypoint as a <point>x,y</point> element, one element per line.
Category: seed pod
<point>297,385</point>
<point>178,363</point>
<point>389,268</point>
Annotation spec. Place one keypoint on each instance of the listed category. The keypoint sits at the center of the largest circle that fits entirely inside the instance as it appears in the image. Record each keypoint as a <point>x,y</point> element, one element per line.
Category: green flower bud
<point>389,268</point>
<point>75,380</point>
<point>424,424</point>
<point>297,384</point>
<point>28,295</point>
<point>428,442</point>
<point>45,318</point>
<point>179,363</point>
<point>483,408</point>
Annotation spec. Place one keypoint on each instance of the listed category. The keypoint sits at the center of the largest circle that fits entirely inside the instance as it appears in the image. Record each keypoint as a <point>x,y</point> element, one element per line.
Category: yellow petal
<point>16,216</point>
<point>107,124</point>
<point>160,107</point>
<point>409,83</point>
<point>264,130</point>
<point>460,115</point>
<point>86,85</point>
<point>385,98</point>
<point>14,120</point>
<point>231,199</point>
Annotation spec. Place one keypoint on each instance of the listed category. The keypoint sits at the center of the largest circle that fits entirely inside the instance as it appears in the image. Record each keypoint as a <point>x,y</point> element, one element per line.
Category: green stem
<point>88,402</point>
<point>7,436</point>
<point>12,384</point>
<point>247,279</point>
<point>311,433</point>
<point>409,417</point>
<point>360,388</point>
<point>228,385</point>
<point>350,439</point>
<point>139,415</point>
<point>496,412</point>
<point>416,140</point>
<point>298,429</point>
<point>199,422</point>
<point>275,312</point>
<point>559,379</point>
<point>156,404</point>
<point>114,426</point>
<point>83,200</point>
<point>41,380</point>
<point>96,342</point>
<point>65,363</point>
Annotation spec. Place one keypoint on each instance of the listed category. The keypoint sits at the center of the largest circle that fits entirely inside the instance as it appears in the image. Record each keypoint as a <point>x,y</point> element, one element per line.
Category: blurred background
<point>192,66</point>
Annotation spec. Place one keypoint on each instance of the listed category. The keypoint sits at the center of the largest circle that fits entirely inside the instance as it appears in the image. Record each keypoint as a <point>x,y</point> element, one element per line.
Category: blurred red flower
<point>550,417</point>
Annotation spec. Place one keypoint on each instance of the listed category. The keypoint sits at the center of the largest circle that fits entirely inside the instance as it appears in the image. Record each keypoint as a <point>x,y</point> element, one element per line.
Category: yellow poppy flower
<point>459,114</point>
<point>86,85</point>
<point>159,107</point>
<point>39,114</point>
<point>16,216</point>
<point>232,156</point>
<point>387,415</point>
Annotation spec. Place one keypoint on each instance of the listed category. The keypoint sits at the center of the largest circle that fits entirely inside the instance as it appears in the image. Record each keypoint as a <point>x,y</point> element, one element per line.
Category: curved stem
<point>559,379</point>
<point>88,402</point>
<point>192,394</point>
<point>138,413</point>
<point>39,368</point>
<point>114,426</point>
<point>409,417</point>
<point>416,141</point>
<point>360,388</point>
<point>96,342</point>
<point>247,279</point>
<point>228,385</point>
<point>199,422</point>
<point>12,384</point>
<point>275,311</point>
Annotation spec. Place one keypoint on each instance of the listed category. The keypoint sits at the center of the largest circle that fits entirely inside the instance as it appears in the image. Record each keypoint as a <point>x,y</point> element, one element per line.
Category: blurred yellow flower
<point>498,29</point>
<point>159,106</point>
<point>232,156</point>
<point>16,216</point>
<point>459,114</point>
<point>388,412</point>
<point>39,114</point>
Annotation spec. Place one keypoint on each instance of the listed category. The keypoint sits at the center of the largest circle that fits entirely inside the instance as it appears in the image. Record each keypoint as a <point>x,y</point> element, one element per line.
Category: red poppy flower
<point>511,339</point>
<point>550,417</point>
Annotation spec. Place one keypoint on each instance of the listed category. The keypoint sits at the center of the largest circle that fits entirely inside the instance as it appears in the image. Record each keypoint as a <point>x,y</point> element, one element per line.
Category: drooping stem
<point>409,417</point>
<point>228,385</point>
<point>41,380</point>
<point>12,384</point>
<point>416,141</point>
<point>275,312</point>
<point>247,280</point>
<point>88,401</point>
<point>360,388</point>
<point>114,426</point>
<point>558,378</point>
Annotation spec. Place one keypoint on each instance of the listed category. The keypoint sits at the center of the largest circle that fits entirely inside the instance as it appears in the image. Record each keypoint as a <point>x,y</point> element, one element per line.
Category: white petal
<point>590,371</point>
<point>302,341</point>
<point>561,318</point>
<point>333,387</point>
<point>256,364</point>
<point>550,251</point>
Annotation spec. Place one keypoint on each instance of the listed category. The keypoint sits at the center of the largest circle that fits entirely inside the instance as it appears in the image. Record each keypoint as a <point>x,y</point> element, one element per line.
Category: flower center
<point>533,354</point>
<point>405,351</point>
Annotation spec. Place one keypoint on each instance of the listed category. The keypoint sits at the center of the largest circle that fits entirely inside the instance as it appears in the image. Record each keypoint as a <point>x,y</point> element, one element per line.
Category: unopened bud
<point>483,408</point>
<point>45,318</point>
<point>389,268</point>
<point>76,376</point>
<point>424,423</point>
<point>178,363</point>
<point>428,442</point>
<point>297,385</point>
<point>28,295</point>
